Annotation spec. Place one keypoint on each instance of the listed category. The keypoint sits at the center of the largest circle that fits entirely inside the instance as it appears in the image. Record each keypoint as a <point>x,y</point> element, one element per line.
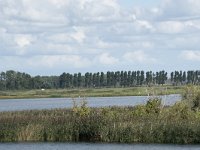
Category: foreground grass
<point>103,92</point>
<point>150,123</point>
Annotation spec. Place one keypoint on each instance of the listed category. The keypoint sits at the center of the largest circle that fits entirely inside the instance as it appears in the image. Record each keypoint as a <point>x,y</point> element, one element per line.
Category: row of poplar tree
<point>12,80</point>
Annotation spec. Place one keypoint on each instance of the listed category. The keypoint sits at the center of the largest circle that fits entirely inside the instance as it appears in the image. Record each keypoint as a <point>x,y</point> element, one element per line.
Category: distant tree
<point>90,80</point>
<point>142,78</point>
<point>75,80</point>
<point>129,82</point>
<point>172,77</point>
<point>3,81</point>
<point>161,77</point>
<point>112,78</point>
<point>154,78</point>
<point>37,82</point>
<point>125,80</point>
<point>180,77</point>
<point>11,77</point>
<point>25,80</point>
<point>184,77</point>
<point>97,80</point>
<point>190,77</point>
<point>138,78</point>
<point>87,79</point>
<point>102,79</point>
<point>117,78</point>
<point>157,78</point>
<point>79,80</point>
<point>134,78</point>
<point>122,78</point>
<point>149,78</point>
<point>108,78</point>
<point>196,76</point>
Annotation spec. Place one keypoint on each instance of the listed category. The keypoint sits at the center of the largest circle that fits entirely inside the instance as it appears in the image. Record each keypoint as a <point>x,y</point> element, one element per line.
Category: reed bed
<point>150,123</point>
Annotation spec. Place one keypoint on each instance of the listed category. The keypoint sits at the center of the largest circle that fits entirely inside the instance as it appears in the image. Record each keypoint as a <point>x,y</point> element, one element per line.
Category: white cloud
<point>59,60</point>
<point>22,41</point>
<point>179,9</point>
<point>144,24</point>
<point>60,3</point>
<point>171,27</point>
<point>52,61</point>
<point>2,30</point>
<point>99,11</point>
<point>37,11</point>
<point>79,35</point>
<point>61,11</point>
<point>100,33</point>
<point>138,57</point>
<point>191,55</point>
<point>176,27</point>
<point>107,59</point>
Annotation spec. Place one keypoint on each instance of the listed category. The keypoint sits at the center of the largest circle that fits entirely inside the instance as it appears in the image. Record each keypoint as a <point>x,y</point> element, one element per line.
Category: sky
<point>49,37</point>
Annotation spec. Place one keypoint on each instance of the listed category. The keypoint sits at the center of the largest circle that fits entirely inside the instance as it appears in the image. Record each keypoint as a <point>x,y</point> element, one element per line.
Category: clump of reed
<point>150,123</point>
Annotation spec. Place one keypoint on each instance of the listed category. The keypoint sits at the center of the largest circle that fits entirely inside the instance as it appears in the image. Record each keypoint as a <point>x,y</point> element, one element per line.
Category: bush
<point>154,105</point>
<point>192,96</point>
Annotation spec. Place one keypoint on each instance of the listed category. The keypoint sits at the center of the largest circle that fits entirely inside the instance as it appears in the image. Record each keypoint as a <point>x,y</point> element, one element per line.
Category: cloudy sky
<point>48,37</point>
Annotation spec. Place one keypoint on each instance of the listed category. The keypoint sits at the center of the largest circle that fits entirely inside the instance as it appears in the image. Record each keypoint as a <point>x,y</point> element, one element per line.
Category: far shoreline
<point>92,92</point>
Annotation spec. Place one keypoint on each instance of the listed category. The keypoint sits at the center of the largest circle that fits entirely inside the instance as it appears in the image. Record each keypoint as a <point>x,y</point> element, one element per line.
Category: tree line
<point>13,80</point>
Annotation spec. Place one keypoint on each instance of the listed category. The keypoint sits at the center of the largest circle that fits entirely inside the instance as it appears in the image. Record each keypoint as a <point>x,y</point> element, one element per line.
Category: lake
<point>52,103</point>
<point>93,146</point>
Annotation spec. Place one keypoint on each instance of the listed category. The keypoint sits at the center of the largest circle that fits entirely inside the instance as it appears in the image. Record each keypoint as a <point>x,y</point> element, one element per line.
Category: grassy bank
<point>104,92</point>
<point>150,123</point>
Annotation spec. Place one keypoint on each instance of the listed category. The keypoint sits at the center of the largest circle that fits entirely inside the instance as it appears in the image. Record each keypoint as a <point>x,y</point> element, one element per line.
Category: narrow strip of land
<point>93,92</point>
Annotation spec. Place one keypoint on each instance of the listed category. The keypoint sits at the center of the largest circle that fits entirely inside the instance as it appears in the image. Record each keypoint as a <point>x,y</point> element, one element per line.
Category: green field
<point>98,92</point>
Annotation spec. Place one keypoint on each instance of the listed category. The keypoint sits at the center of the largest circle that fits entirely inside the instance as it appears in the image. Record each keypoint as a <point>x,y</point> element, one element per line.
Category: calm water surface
<point>51,103</point>
<point>90,146</point>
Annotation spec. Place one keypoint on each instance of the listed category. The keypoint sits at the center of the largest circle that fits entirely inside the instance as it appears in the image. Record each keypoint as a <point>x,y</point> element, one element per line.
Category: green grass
<point>101,92</point>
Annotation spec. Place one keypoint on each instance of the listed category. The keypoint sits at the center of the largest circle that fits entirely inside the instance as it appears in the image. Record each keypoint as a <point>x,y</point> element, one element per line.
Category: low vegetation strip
<point>98,92</point>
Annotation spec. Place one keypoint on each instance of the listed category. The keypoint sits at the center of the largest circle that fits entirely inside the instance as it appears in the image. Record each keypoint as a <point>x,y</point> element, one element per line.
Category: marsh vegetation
<point>149,123</point>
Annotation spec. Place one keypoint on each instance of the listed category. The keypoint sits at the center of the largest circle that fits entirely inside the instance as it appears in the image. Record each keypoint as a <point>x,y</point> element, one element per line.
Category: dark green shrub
<point>154,105</point>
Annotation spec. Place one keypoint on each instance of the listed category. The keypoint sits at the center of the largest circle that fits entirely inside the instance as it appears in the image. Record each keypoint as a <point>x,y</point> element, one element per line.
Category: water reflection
<point>93,146</point>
